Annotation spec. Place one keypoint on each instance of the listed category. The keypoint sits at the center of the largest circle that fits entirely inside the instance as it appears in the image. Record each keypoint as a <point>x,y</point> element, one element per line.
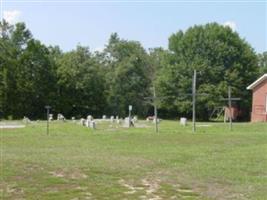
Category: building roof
<point>257,82</point>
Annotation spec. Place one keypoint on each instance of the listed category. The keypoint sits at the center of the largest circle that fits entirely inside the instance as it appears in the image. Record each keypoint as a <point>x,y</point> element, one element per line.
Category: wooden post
<point>230,107</point>
<point>154,100</point>
<point>155,110</point>
<point>194,100</point>
<point>47,113</point>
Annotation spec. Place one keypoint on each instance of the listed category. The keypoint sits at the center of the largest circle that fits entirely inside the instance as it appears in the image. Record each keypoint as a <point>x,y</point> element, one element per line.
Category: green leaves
<point>127,76</point>
<point>79,82</point>
<point>219,55</point>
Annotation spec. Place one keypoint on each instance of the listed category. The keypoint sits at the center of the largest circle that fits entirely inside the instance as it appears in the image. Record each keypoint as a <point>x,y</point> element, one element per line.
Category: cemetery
<point>137,157</point>
<point>134,158</point>
<point>179,114</point>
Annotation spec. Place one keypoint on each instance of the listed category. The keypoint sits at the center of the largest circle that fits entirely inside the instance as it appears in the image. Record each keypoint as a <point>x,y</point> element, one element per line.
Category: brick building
<point>259,99</point>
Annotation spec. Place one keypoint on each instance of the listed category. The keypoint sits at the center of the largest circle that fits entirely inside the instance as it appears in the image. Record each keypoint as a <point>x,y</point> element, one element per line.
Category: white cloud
<point>99,49</point>
<point>12,16</point>
<point>230,24</point>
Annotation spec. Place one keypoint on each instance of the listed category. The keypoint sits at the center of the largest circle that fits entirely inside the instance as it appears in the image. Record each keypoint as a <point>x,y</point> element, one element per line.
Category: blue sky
<point>90,23</point>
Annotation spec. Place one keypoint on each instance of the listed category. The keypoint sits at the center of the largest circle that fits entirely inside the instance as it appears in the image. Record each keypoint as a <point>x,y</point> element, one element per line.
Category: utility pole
<point>194,100</point>
<point>154,101</point>
<point>155,110</point>
<point>47,112</point>
<point>230,107</point>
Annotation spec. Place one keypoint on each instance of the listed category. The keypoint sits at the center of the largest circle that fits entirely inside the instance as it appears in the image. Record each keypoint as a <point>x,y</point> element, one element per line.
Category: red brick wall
<point>259,103</point>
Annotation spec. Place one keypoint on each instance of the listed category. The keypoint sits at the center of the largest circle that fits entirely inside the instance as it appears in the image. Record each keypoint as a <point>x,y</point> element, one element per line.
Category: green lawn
<point>75,162</point>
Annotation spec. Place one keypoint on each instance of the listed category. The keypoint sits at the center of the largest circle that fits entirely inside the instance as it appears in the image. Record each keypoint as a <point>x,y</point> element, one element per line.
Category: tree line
<point>81,82</point>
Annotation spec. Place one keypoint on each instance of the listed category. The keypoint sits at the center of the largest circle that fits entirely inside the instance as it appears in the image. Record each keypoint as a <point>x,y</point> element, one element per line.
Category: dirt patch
<point>11,190</point>
<point>81,188</point>
<point>76,174</point>
<point>87,195</point>
<point>151,188</point>
<point>59,174</point>
<point>131,188</point>
<point>188,187</point>
<point>154,191</point>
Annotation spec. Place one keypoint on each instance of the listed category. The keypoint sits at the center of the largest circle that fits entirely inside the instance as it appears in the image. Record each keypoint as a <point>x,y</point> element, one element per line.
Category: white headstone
<point>112,119</point>
<point>104,117</point>
<point>118,121</point>
<point>135,119</point>
<point>183,121</point>
<point>90,117</point>
<point>26,120</point>
<point>50,118</point>
<point>126,122</point>
<point>60,117</point>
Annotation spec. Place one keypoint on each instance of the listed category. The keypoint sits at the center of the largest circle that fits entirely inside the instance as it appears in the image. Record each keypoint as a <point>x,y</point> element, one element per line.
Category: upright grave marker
<point>154,100</point>
<point>230,99</point>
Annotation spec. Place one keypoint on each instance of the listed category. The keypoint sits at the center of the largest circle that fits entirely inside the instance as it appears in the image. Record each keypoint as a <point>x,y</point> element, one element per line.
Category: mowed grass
<point>75,162</point>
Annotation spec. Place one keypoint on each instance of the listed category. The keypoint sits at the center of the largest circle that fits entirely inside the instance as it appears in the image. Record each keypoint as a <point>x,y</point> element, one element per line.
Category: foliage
<point>221,59</point>
<point>80,82</point>
<point>127,76</point>
<point>262,60</point>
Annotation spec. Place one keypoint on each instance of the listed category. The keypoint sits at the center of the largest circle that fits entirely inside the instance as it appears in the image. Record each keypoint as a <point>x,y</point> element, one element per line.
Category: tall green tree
<point>36,80</point>
<point>80,84</point>
<point>220,57</point>
<point>27,76</point>
<point>13,41</point>
<point>127,76</point>
<point>5,48</point>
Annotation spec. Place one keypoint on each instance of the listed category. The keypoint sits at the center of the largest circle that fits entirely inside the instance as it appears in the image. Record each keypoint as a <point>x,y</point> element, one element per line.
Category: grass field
<point>75,162</point>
